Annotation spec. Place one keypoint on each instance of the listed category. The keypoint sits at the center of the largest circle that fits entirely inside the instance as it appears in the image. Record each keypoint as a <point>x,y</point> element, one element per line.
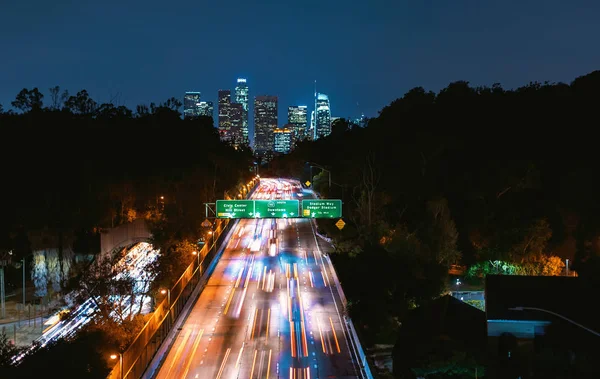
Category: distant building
<point>265,122</point>
<point>361,122</point>
<point>283,139</point>
<point>241,97</point>
<point>236,118</point>
<point>224,114</point>
<point>322,116</point>
<point>206,108</point>
<point>527,314</point>
<point>191,100</point>
<point>297,118</point>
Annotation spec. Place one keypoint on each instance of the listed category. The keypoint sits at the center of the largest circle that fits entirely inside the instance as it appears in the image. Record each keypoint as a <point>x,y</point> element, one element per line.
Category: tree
<point>108,111</point>
<point>441,236</point>
<point>7,351</point>
<point>28,100</point>
<point>112,288</point>
<point>39,273</point>
<point>85,356</point>
<point>365,193</point>
<point>53,266</point>
<point>172,103</point>
<point>55,97</point>
<point>1,109</point>
<point>81,104</point>
<point>533,241</point>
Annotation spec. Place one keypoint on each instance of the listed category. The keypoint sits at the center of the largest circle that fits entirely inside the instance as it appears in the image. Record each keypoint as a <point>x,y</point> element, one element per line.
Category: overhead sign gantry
<point>314,208</point>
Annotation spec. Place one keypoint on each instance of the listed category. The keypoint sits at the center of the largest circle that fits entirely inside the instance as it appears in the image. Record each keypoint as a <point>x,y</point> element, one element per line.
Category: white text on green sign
<point>276,208</point>
<point>322,208</point>
<point>235,208</point>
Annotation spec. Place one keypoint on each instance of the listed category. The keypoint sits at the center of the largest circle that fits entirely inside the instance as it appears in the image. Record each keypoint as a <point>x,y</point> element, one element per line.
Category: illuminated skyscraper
<point>265,122</point>
<point>322,116</point>
<point>191,101</point>
<point>283,139</point>
<point>241,97</point>
<point>297,117</point>
<point>236,118</point>
<point>224,114</point>
<point>206,108</point>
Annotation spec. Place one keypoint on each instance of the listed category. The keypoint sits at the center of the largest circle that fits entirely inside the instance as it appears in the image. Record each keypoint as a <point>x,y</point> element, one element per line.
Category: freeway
<point>269,310</point>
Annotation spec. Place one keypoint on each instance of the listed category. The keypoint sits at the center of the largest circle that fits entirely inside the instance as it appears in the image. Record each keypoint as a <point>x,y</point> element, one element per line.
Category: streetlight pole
<point>114,356</point>
<point>23,283</point>
<point>557,315</point>
<point>322,168</point>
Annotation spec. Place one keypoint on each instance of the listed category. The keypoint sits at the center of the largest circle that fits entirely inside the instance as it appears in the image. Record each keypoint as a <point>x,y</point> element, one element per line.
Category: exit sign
<point>322,208</point>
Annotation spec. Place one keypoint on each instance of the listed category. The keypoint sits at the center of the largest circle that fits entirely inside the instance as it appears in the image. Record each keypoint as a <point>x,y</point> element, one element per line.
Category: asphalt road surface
<point>270,308</point>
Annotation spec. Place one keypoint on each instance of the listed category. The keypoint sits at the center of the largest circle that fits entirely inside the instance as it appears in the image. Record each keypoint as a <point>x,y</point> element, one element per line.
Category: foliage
<point>479,304</point>
<point>39,273</point>
<point>174,258</point>
<point>543,266</point>
<point>118,334</point>
<point>441,234</point>
<point>53,269</point>
<point>459,365</point>
<point>109,283</point>
<point>28,100</point>
<point>82,357</point>
<point>7,350</point>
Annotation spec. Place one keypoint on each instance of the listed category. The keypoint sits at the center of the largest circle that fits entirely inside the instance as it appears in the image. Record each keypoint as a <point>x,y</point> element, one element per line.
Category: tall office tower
<point>224,117</point>
<point>236,117</point>
<point>190,104</point>
<point>205,108</point>
<point>310,135</point>
<point>241,97</point>
<point>283,139</point>
<point>322,116</point>
<point>297,116</point>
<point>265,122</point>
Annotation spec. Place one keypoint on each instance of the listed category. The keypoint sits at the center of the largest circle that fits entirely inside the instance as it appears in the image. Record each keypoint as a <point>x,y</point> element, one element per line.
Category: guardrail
<point>355,345</point>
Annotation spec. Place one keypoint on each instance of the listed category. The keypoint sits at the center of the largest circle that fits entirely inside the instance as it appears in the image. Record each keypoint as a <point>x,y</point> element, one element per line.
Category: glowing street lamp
<point>120,356</point>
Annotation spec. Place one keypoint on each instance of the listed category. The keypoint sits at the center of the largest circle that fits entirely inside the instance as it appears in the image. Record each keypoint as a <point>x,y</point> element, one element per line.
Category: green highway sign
<point>276,208</point>
<point>322,208</point>
<point>235,208</point>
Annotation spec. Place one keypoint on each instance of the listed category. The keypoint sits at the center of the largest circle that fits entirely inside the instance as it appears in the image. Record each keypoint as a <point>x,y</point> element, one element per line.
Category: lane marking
<point>179,350</point>
<point>223,364</point>
<point>191,356</point>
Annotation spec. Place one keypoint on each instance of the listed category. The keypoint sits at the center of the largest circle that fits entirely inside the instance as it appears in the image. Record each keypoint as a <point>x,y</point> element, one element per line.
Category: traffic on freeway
<point>269,310</point>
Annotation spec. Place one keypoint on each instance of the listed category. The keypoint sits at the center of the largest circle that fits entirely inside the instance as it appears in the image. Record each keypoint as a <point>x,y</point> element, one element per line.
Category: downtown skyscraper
<point>322,116</point>
<point>241,97</point>
<point>265,122</point>
<point>224,114</point>
<point>297,116</point>
<point>191,101</point>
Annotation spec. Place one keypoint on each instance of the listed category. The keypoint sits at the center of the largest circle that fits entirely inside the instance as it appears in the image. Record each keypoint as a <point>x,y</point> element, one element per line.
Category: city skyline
<point>407,45</point>
<point>296,116</point>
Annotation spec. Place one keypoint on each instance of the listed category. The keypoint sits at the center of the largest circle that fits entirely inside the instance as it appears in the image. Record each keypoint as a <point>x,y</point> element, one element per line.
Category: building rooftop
<point>570,297</point>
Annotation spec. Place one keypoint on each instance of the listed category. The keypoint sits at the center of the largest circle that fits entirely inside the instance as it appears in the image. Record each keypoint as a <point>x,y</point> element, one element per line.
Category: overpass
<point>124,235</point>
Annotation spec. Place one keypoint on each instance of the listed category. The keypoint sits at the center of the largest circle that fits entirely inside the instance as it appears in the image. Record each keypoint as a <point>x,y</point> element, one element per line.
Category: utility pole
<point>23,283</point>
<point>2,304</point>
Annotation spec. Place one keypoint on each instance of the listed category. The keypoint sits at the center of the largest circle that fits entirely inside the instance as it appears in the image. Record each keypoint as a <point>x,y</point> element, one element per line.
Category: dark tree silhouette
<point>28,100</point>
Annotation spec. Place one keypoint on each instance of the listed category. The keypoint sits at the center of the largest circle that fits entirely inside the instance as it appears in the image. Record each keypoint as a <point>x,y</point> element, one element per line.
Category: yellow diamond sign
<point>340,224</point>
<point>308,183</point>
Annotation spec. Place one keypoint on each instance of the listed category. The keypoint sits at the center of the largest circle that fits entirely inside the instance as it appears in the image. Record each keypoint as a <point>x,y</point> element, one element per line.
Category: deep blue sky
<point>363,54</point>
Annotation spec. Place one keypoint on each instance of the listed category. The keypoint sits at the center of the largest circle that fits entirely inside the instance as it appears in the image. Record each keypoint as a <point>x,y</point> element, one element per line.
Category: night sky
<point>362,54</point>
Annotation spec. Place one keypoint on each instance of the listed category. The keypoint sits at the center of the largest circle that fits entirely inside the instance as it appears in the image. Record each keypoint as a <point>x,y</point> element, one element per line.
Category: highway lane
<point>269,310</point>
